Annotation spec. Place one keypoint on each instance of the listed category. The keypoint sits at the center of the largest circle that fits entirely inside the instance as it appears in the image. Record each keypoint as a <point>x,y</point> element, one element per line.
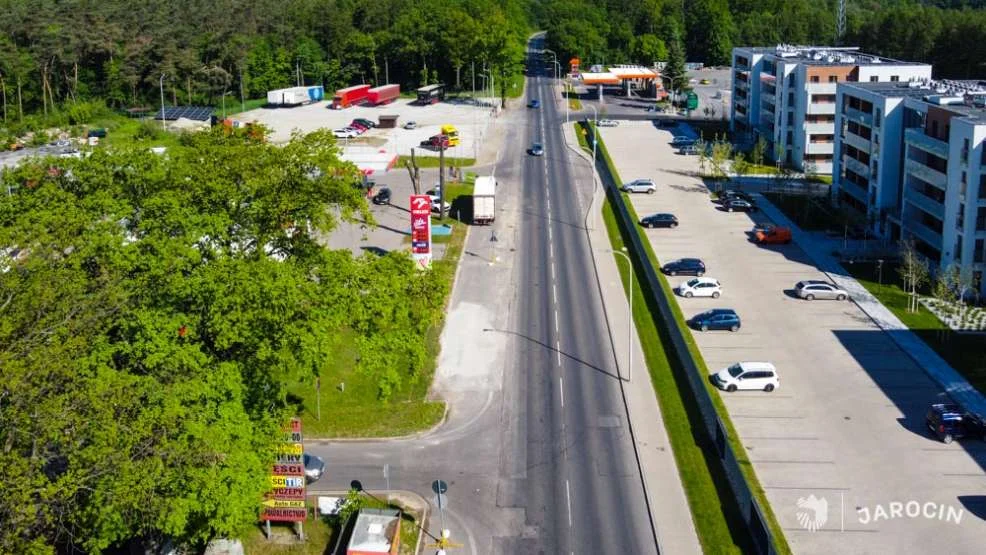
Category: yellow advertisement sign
<point>285,504</point>
<point>287,481</point>
<point>291,449</point>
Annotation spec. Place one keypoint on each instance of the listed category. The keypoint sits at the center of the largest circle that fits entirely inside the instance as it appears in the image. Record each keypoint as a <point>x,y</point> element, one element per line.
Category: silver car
<point>640,186</point>
<point>810,290</point>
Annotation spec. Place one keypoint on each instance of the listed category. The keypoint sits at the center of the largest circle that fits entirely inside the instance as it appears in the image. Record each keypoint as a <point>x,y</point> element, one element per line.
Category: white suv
<point>747,375</point>
<point>640,186</point>
<point>700,287</point>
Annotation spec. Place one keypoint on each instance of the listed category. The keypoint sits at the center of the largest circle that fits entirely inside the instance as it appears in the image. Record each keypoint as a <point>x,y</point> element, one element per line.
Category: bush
<point>147,130</point>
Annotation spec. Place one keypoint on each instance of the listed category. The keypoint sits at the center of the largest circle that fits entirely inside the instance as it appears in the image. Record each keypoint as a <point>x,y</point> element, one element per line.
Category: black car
<point>537,149</point>
<point>684,266</point>
<point>659,220</point>
<point>738,205</point>
<point>733,193</point>
<point>716,319</point>
<point>948,421</point>
<point>382,196</point>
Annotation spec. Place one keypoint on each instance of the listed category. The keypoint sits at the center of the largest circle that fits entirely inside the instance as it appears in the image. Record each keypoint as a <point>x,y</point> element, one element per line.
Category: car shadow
<point>375,250</point>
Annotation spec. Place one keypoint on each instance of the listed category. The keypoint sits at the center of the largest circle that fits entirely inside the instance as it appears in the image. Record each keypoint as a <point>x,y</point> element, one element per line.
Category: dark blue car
<point>534,104</point>
<point>716,319</point>
<point>948,421</point>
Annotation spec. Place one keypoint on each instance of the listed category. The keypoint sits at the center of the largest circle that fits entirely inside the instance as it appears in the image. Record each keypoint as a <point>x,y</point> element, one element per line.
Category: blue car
<point>716,319</point>
<point>534,104</point>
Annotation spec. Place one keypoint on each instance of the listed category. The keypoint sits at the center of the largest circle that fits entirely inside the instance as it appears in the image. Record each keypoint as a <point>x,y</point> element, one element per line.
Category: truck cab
<point>452,133</point>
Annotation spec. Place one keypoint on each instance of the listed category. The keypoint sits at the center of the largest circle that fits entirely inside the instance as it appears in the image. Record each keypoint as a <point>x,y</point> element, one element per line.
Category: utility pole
<point>840,22</point>
<point>441,176</point>
<point>161,83</point>
<point>386,70</point>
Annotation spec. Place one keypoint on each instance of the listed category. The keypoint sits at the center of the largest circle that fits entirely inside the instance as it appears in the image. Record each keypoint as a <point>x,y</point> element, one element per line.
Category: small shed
<point>388,121</point>
<point>377,531</point>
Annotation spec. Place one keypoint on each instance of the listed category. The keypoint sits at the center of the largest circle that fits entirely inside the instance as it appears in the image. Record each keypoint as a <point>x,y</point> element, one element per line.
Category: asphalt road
<point>537,451</point>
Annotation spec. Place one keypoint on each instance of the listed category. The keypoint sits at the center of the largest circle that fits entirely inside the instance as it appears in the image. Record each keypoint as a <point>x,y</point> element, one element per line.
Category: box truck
<point>350,96</point>
<point>431,94</point>
<point>295,96</point>
<point>484,200</point>
<point>383,94</point>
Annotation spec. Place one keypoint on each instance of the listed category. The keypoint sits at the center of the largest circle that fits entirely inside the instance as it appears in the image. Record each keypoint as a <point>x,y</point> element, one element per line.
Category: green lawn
<point>432,161</point>
<point>718,521</point>
<point>321,533</point>
<point>965,352</point>
<point>234,107</point>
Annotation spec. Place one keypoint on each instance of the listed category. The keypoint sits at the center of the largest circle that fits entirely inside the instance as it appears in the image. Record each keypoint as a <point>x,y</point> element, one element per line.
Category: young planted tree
<point>759,152</point>
<point>741,166</point>
<point>947,291</point>
<point>721,152</point>
<point>913,271</point>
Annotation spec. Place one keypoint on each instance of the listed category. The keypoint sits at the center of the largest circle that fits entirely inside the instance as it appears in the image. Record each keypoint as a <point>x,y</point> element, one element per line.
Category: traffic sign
<point>439,486</point>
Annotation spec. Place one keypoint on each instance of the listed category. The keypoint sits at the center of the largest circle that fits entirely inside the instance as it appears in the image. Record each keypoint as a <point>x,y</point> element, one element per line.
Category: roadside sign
<point>288,493</point>
<point>289,469</point>
<point>421,230</point>
<point>285,504</point>
<point>287,481</point>
<point>284,514</point>
<point>286,500</point>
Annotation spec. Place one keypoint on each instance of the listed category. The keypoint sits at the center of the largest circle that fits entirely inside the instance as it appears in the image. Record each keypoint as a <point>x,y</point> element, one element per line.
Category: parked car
<point>358,126</point>
<point>639,186</point>
<point>948,421</point>
<point>716,319</point>
<point>738,205</point>
<point>810,290</point>
<point>700,287</point>
<point>764,227</point>
<point>534,103</point>
<point>607,123</point>
<point>537,149</point>
<point>682,140</point>
<point>734,194</point>
<point>774,236</point>
<point>436,204</point>
<point>436,142</point>
<point>344,133</point>
<point>683,266</point>
<point>382,196</point>
<point>365,122</point>
<point>747,375</point>
<point>314,467</point>
<point>411,125</point>
<point>659,220</point>
<point>688,149</point>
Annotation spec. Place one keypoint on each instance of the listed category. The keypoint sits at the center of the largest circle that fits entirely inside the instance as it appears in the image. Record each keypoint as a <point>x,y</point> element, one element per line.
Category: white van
<point>747,375</point>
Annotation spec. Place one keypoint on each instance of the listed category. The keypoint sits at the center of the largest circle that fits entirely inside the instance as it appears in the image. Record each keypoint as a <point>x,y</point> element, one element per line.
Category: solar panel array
<point>199,113</point>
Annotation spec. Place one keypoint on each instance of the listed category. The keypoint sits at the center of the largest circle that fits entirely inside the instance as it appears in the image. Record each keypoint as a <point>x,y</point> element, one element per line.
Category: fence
<point>753,514</point>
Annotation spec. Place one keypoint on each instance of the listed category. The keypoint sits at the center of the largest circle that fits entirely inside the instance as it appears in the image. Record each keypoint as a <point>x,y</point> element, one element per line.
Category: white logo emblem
<point>813,512</point>
<point>420,202</point>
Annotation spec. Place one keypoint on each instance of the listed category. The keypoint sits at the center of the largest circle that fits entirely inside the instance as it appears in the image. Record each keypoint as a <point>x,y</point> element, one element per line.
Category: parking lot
<point>471,119</point>
<point>846,424</point>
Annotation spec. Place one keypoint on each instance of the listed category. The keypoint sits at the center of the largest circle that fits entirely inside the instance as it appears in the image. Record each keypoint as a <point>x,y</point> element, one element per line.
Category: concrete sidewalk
<point>672,517</point>
<point>957,387</point>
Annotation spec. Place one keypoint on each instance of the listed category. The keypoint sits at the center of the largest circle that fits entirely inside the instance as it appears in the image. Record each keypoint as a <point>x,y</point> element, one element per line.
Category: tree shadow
<point>552,349</point>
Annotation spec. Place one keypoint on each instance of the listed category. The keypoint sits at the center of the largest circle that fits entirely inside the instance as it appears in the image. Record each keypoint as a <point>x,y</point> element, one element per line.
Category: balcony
<point>768,77</point>
<point>926,203</point>
<point>926,174</point>
<point>852,114</point>
<point>821,108</point>
<point>824,128</point>
<point>821,88</point>
<point>915,137</point>
<point>924,233</point>
<point>819,148</point>
<point>858,142</point>
<point>856,166</point>
<point>854,190</point>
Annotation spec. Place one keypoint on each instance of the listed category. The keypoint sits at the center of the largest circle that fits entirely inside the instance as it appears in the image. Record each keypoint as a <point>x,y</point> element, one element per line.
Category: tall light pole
<point>673,95</point>
<point>225,94</point>
<point>595,139</point>
<point>555,58</point>
<point>629,313</point>
<point>161,84</point>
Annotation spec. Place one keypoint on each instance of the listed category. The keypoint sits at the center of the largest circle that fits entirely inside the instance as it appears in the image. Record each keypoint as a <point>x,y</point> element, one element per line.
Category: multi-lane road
<point>537,450</point>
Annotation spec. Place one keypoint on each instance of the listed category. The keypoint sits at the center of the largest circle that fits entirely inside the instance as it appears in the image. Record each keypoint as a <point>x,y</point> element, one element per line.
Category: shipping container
<point>383,94</point>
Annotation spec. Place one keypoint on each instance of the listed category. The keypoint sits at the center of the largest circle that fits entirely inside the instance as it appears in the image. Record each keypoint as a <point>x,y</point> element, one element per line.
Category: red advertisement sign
<point>288,493</point>
<point>420,224</point>
<point>289,469</point>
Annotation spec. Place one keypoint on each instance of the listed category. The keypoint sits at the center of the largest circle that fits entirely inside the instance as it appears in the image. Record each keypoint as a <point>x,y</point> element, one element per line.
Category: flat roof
<point>633,72</point>
<point>605,78</point>
<point>957,90</point>
<point>825,55</point>
<point>375,530</point>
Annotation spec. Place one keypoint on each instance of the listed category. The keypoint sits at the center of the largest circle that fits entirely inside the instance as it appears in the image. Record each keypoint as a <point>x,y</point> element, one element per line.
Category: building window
<point>874,78</point>
<point>981,219</point>
<point>833,78</point>
<point>876,118</point>
<point>979,254</point>
<point>815,79</point>
<point>894,78</point>
<point>982,186</point>
<point>960,217</point>
<point>876,167</point>
<point>965,152</point>
<point>958,249</point>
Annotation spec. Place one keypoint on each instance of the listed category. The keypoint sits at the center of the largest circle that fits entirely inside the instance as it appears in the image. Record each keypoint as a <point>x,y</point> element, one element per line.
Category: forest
<point>58,51</point>
<point>950,34</point>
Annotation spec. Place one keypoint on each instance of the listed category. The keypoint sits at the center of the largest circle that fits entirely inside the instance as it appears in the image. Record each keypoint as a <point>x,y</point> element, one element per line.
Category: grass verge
<point>963,351</point>
<point>322,532</point>
<point>432,161</point>
<point>721,529</point>
<point>353,410</point>
<point>235,107</point>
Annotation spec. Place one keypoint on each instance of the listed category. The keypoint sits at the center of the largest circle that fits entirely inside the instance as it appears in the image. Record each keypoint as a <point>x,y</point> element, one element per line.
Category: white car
<point>607,123</point>
<point>700,287</point>
<point>747,375</point>
<point>345,133</point>
<point>640,186</point>
<point>436,204</point>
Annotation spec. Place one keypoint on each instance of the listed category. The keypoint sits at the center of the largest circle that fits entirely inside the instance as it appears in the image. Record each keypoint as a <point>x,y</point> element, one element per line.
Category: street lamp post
<point>161,84</point>
<point>595,140</point>
<point>555,59</point>
<point>629,313</point>
<point>673,94</point>
<point>225,94</point>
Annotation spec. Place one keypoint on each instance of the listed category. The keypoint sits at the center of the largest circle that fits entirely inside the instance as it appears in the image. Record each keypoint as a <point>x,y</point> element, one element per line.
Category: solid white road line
<point>568,497</point>
<point>561,390</point>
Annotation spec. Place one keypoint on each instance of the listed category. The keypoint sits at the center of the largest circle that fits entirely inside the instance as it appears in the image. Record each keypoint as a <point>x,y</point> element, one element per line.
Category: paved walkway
<point>937,369</point>
<point>668,505</point>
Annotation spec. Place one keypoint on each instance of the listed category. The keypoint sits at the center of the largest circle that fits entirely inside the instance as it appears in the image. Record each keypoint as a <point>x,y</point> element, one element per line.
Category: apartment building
<point>787,95</point>
<point>911,156</point>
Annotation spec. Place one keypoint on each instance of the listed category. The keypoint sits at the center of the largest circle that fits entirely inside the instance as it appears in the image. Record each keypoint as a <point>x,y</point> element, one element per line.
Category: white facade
<point>787,95</point>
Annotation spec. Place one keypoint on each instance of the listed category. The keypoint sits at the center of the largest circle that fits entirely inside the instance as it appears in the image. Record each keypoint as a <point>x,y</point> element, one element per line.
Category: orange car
<point>777,235</point>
